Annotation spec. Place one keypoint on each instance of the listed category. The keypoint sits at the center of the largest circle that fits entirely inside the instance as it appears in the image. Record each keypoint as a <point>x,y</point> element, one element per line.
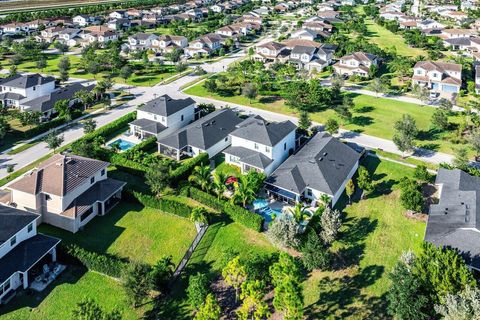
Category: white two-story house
<point>443,78</point>
<point>21,250</point>
<point>162,116</point>
<point>67,191</point>
<point>18,88</point>
<point>141,41</point>
<point>205,45</point>
<point>166,43</point>
<point>260,145</point>
<point>269,52</point>
<point>310,58</point>
<point>357,63</point>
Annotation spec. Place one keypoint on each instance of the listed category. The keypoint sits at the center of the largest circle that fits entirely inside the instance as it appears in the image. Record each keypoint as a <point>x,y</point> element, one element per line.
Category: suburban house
<point>310,58</point>
<point>357,63</point>
<point>67,191</point>
<point>70,36</point>
<point>166,43</point>
<point>467,44</point>
<point>457,33</point>
<point>84,20</point>
<point>205,45</point>
<point>440,77</point>
<point>270,52</point>
<point>477,79</point>
<point>208,134</point>
<point>323,165</point>
<point>18,88</point>
<point>162,115</point>
<point>100,34</point>
<point>141,41</point>
<point>22,250</point>
<point>454,221</point>
<point>260,145</point>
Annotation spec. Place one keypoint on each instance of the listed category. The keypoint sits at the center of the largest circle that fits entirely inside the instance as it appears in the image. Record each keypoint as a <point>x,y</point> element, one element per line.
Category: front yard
<point>134,232</point>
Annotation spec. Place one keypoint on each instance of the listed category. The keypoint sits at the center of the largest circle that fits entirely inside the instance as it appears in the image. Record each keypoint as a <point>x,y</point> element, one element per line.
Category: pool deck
<point>125,137</point>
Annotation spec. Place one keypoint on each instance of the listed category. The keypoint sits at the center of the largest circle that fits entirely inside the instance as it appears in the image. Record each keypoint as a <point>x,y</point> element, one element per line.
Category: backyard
<point>134,232</point>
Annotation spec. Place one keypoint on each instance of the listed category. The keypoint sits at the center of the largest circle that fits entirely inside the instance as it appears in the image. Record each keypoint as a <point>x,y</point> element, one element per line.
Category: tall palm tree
<point>219,179</point>
<point>201,177</point>
<point>199,214</point>
<point>325,199</point>
<point>298,211</point>
<point>244,191</point>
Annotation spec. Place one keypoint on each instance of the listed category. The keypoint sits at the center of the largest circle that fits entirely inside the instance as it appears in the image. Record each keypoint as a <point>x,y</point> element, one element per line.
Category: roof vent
<point>320,159</point>
<point>446,212</point>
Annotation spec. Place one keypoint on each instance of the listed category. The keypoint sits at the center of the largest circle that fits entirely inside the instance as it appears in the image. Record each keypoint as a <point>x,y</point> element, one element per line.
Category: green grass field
<point>134,232</point>
<point>371,115</point>
<point>59,300</point>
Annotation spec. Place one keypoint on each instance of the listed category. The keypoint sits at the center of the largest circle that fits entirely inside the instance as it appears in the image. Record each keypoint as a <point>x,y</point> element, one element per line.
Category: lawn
<point>61,297</point>
<point>228,170</point>
<point>374,234</point>
<point>147,77</point>
<point>134,232</point>
<point>371,115</point>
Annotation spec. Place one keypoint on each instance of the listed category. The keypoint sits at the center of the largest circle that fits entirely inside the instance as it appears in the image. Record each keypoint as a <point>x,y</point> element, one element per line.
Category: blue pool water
<point>267,213</point>
<point>260,203</point>
<point>123,144</point>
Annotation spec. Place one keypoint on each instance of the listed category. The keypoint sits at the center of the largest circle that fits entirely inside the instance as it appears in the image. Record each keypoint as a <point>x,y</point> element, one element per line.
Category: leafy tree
<point>89,126</point>
<point>158,178</point>
<point>197,290</point>
<point>126,72</point>
<point>249,91</point>
<point>377,86</point>
<point>201,177</point>
<point>161,273</point>
<point>411,195</point>
<point>137,282</point>
<point>461,160</point>
<point>41,63</point>
<point>234,274</point>
<point>88,309</point>
<point>350,190</point>
<point>314,253</point>
<point>405,133</point>
<point>210,310</point>
<point>210,85</point>
<point>29,118</point>
<point>199,215</point>
<point>4,127</point>
<point>304,122</point>
<point>343,110</point>
<point>62,107</point>
<point>298,212</point>
<point>464,305</point>
<point>253,306</point>
<point>475,141</point>
<point>283,232</point>
<point>421,173</point>
<point>245,191</point>
<point>64,68</point>
<point>421,93</point>
<point>440,119</point>
<point>332,126</point>
<point>218,183</point>
<point>364,180</point>
<point>331,223</point>
<point>61,47</point>
<point>445,104</point>
<point>85,96</point>
<point>53,140</point>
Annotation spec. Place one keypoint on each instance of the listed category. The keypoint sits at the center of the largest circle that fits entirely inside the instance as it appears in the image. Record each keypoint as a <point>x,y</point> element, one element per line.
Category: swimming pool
<point>269,214</point>
<point>259,203</point>
<point>122,144</point>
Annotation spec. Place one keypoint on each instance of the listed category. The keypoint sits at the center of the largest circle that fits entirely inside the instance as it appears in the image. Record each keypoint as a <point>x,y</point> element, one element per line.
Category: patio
<point>48,274</point>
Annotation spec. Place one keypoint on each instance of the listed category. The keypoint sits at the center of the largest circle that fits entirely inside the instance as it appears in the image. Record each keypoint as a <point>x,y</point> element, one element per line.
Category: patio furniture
<point>45,269</point>
<point>57,270</point>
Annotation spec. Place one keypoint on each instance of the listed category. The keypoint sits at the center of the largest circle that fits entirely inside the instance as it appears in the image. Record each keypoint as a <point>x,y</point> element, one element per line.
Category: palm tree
<point>219,179</point>
<point>298,212</point>
<point>201,177</point>
<point>325,199</point>
<point>244,192</point>
<point>199,215</point>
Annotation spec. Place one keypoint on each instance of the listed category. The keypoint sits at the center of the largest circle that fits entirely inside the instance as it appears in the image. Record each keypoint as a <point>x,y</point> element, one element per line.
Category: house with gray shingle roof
<point>454,221</point>
<point>260,145</point>
<point>357,63</point>
<point>444,78</point>
<point>67,191</point>
<point>208,134</point>
<point>162,116</point>
<point>22,87</point>
<point>323,165</point>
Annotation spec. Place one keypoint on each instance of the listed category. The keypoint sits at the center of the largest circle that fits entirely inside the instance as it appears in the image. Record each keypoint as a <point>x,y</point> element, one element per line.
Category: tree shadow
<point>269,99</point>
<point>362,121</point>
<point>363,109</point>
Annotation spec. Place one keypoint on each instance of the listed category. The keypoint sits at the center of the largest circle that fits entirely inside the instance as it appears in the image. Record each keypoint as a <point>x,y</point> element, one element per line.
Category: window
<point>34,88</point>
<point>154,117</point>
<point>30,228</point>
<point>47,197</point>
<point>102,173</point>
<point>226,139</point>
<point>256,146</point>
<point>285,146</point>
<point>92,180</point>
<point>309,192</point>
<point>181,118</point>
<point>13,241</point>
<point>267,149</point>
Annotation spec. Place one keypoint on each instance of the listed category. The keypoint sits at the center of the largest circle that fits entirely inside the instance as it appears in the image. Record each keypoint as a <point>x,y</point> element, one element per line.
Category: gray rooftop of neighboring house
<point>455,221</point>
<point>144,36</point>
<point>25,81</point>
<point>205,132</point>
<point>258,130</point>
<point>322,164</point>
<point>250,157</point>
<point>12,221</point>
<point>465,41</point>
<point>303,49</point>
<point>47,102</point>
<point>148,125</point>
<point>11,96</point>
<point>165,106</point>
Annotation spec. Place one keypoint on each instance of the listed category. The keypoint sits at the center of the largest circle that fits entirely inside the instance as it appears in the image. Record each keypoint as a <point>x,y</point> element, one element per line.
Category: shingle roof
<point>165,106</point>
<point>25,81</point>
<point>148,125</point>
<point>303,49</point>
<point>12,221</point>
<point>250,157</point>
<point>205,132</point>
<point>322,164</point>
<point>267,133</point>
<point>58,175</point>
<point>455,221</point>
<point>439,66</point>
<point>361,56</point>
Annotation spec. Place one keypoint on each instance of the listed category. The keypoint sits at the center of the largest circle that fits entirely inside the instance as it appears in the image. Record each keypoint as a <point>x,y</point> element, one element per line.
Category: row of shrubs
<point>185,169</point>
<point>146,145</point>
<point>124,164</point>
<point>52,124</point>
<point>238,214</point>
<point>165,205</point>
<point>102,263</point>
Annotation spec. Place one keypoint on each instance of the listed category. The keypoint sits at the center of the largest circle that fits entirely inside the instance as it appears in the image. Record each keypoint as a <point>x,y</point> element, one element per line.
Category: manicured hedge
<point>129,166</point>
<point>106,264</point>
<point>165,205</point>
<point>238,214</point>
<point>146,145</point>
<point>185,169</point>
<point>45,126</point>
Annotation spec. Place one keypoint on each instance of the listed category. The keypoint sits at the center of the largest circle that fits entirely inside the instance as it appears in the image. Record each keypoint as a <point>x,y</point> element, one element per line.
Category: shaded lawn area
<point>372,116</point>
<point>374,234</point>
<point>134,232</point>
<point>60,298</point>
<point>228,170</point>
<point>15,135</point>
<point>148,77</point>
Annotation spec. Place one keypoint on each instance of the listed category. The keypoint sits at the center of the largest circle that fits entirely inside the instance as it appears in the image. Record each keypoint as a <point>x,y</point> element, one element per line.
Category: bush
<point>128,166</point>
<point>45,126</point>
<point>238,214</point>
<point>185,169</point>
<point>146,145</point>
<point>165,205</point>
<point>106,264</point>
